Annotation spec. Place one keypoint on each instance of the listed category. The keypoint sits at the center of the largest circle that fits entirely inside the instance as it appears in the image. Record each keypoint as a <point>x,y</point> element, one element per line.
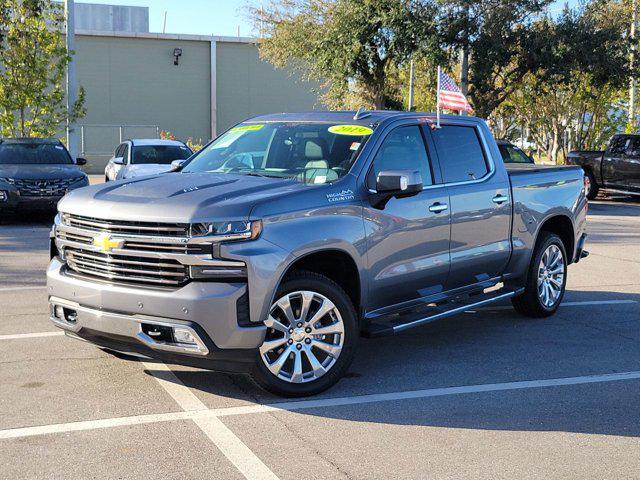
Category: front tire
<point>311,337</point>
<point>546,279</point>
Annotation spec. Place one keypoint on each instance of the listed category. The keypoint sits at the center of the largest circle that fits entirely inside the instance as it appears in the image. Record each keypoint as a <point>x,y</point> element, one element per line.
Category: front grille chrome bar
<point>145,253</point>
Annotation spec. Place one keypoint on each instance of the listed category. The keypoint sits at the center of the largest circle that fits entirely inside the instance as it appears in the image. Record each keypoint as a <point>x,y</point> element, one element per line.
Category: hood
<point>132,171</point>
<point>177,197</point>
<point>40,172</point>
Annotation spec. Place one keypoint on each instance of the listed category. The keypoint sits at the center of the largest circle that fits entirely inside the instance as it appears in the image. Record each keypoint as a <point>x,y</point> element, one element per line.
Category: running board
<point>407,321</point>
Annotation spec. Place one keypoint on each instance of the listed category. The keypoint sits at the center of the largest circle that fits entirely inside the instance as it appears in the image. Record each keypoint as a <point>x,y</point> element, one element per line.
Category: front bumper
<point>112,316</point>
<point>16,202</point>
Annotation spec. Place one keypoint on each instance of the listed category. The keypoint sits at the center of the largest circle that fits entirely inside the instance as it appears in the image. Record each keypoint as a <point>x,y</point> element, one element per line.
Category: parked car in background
<point>617,169</point>
<point>140,157</point>
<point>277,245</point>
<point>512,154</point>
<point>36,173</point>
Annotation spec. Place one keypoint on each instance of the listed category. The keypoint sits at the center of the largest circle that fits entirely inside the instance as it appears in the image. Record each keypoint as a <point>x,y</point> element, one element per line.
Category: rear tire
<point>301,354</point>
<point>593,189</point>
<point>546,279</point>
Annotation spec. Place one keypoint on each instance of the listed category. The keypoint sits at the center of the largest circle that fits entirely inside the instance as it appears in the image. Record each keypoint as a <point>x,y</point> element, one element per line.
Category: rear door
<point>408,238</point>
<point>480,205</point>
<point>631,166</point>
<point>613,162</point>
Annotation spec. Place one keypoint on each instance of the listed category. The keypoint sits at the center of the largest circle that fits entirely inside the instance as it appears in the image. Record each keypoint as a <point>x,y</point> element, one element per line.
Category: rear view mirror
<point>81,161</point>
<point>118,161</point>
<point>177,165</point>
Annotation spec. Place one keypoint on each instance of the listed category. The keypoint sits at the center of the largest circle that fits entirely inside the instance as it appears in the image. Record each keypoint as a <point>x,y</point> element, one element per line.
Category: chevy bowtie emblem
<point>106,243</point>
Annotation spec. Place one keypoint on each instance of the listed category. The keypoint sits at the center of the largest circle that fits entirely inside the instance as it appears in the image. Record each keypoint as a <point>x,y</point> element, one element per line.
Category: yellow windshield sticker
<point>355,130</point>
<point>247,128</point>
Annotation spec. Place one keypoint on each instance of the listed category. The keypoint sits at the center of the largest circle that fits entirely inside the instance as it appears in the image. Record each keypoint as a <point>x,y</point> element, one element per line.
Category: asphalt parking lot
<point>487,394</point>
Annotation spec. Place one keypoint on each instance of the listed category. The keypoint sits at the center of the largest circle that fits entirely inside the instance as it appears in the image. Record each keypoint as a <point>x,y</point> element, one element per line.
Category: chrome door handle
<point>500,199</point>
<point>438,207</point>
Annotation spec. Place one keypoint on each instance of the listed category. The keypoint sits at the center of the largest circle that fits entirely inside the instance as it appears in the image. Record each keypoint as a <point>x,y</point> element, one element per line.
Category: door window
<point>634,147</point>
<point>125,152</point>
<point>404,149</point>
<point>618,145</point>
<point>461,155</point>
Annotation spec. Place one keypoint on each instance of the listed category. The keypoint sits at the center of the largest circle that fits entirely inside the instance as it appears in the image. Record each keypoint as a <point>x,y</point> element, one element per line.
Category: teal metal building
<point>139,84</point>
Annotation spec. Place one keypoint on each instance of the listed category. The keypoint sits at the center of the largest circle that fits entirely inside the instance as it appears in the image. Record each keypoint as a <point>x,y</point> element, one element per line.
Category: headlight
<point>228,231</point>
<point>7,180</point>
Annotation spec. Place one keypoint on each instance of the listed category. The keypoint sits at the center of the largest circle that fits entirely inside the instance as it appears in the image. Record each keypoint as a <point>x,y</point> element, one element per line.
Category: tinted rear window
<point>161,154</point>
<point>33,154</point>
<point>461,155</point>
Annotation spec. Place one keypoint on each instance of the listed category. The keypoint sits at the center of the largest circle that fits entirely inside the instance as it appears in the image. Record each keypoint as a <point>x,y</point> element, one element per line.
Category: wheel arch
<point>336,264</point>
<point>561,225</point>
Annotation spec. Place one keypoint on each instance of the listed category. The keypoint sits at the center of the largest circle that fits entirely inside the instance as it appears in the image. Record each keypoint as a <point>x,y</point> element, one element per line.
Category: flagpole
<point>438,101</point>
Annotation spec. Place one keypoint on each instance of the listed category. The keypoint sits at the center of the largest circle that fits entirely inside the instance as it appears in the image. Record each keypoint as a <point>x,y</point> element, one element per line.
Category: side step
<point>399,323</point>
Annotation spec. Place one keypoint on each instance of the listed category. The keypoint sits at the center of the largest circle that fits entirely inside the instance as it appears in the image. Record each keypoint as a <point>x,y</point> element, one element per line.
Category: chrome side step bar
<point>375,329</point>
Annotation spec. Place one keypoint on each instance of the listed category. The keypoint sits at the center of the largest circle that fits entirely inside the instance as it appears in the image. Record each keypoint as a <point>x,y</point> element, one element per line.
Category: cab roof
<point>368,117</point>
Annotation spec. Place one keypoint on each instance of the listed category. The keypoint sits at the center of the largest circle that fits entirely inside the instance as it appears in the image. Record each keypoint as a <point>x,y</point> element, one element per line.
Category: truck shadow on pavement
<point>494,345</point>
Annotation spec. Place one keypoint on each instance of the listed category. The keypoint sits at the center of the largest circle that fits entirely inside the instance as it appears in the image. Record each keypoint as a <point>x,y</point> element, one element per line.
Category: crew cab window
<point>618,145</point>
<point>404,149</point>
<point>634,147</point>
<point>460,152</point>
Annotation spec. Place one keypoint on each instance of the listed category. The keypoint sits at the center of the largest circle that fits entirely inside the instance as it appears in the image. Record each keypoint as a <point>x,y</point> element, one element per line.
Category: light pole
<point>72,86</point>
<point>634,50</point>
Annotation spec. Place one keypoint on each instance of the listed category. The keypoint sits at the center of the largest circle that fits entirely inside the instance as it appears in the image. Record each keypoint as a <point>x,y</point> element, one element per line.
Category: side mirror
<point>176,165</point>
<point>81,161</point>
<point>395,183</point>
<point>399,183</point>
<point>118,161</point>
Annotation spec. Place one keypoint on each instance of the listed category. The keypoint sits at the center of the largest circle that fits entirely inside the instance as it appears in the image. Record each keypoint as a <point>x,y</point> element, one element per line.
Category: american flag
<point>450,96</point>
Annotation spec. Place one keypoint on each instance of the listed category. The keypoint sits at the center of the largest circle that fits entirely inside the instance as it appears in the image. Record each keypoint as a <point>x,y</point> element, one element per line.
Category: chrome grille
<point>126,268</point>
<point>127,227</point>
<point>145,253</point>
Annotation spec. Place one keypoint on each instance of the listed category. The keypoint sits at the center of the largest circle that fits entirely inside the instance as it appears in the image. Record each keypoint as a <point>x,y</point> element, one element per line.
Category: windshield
<point>33,154</point>
<point>307,152</point>
<point>159,154</point>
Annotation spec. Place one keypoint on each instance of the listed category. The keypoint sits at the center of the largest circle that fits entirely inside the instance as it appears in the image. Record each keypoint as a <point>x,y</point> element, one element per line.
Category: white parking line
<point>20,336</point>
<point>197,415</point>
<point>227,442</point>
<point>26,287</point>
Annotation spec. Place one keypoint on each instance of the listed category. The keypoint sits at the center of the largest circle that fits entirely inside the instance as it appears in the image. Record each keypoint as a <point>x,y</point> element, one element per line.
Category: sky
<point>208,17</point>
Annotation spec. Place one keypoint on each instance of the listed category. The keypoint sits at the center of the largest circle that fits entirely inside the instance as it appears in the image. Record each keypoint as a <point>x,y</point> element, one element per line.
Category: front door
<point>408,238</point>
<point>480,206</point>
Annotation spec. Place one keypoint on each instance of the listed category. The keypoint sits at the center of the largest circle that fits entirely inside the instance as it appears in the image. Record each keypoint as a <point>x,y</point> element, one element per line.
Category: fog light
<point>182,335</point>
<point>59,312</point>
<point>3,196</point>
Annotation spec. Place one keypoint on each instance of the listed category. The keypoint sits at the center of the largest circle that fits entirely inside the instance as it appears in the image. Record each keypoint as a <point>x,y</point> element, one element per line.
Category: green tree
<point>501,47</point>
<point>32,78</point>
<point>575,98</point>
<point>358,48</point>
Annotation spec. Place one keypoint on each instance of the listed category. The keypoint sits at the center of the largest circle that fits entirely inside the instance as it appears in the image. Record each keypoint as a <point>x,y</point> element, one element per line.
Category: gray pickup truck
<point>279,244</point>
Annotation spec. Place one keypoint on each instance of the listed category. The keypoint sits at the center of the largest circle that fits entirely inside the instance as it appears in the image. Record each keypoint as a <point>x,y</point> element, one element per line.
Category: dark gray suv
<point>36,174</point>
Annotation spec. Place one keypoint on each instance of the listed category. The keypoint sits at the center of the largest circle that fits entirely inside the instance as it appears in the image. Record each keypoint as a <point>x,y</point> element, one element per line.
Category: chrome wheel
<point>305,335</point>
<point>551,272</point>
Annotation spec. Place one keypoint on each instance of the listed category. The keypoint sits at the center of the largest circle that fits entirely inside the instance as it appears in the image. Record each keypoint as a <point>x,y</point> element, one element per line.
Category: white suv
<point>140,157</point>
